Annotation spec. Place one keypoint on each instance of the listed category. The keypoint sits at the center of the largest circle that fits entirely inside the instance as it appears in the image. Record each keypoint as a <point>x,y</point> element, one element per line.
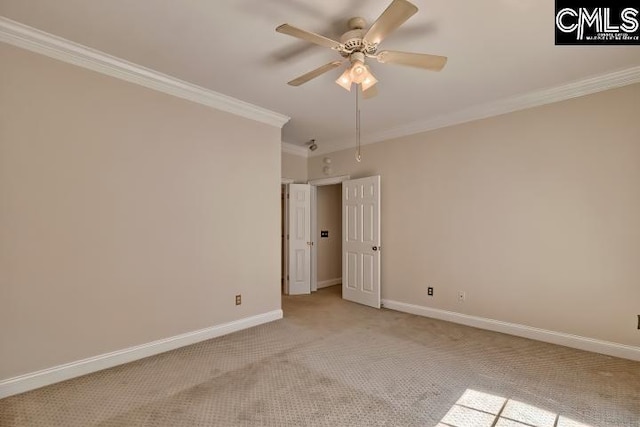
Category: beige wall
<point>294,167</point>
<point>126,215</point>
<point>329,206</point>
<point>535,214</point>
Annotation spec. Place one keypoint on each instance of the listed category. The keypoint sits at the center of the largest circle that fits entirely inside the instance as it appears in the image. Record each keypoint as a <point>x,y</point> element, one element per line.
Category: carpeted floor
<point>333,363</point>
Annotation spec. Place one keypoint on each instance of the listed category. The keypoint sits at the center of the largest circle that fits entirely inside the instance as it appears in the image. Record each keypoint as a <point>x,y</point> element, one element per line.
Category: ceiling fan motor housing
<point>352,39</point>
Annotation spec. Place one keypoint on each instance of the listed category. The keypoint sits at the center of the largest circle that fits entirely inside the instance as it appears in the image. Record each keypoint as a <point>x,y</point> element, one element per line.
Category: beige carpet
<point>333,363</point>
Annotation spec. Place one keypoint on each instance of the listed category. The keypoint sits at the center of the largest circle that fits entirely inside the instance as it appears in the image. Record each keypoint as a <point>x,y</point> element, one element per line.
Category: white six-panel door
<point>361,241</point>
<point>299,274</point>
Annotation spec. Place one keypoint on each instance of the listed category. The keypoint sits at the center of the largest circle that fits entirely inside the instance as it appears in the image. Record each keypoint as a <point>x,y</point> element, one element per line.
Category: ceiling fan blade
<point>393,16</point>
<point>418,60</point>
<point>370,93</point>
<point>315,73</point>
<point>308,36</point>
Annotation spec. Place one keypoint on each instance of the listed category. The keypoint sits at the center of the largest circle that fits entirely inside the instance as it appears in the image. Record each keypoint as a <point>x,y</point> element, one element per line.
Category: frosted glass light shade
<point>368,81</point>
<point>345,79</point>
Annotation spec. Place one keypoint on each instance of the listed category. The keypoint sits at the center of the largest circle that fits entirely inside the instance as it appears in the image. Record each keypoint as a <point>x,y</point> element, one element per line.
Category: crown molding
<point>296,150</point>
<point>38,41</point>
<point>508,105</point>
<point>32,39</point>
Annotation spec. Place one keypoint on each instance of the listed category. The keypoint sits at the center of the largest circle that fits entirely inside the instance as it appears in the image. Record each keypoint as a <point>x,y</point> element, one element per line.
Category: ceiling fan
<point>357,44</point>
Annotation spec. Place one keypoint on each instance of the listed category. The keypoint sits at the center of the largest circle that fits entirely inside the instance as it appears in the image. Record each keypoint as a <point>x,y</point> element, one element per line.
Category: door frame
<point>315,183</point>
<point>284,229</point>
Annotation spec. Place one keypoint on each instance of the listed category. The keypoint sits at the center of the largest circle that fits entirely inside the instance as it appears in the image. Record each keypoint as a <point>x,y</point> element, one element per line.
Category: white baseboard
<point>327,283</point>
<point>560,338</point>
<point>31,381</point>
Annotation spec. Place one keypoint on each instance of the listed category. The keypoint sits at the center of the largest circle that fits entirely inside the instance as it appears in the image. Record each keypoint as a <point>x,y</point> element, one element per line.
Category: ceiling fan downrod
<point>358,152</point>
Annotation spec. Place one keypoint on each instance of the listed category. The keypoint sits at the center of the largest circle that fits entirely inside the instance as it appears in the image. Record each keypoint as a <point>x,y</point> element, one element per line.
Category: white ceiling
<point>497,49</point>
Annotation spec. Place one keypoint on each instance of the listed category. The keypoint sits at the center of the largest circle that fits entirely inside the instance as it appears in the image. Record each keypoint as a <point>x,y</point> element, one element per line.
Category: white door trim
<point>314,239</point>
<point>329,181</point>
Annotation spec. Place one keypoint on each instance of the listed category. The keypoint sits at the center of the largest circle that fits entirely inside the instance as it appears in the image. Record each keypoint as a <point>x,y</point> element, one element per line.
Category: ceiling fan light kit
<point>358,73</point>
<point>357,45</point>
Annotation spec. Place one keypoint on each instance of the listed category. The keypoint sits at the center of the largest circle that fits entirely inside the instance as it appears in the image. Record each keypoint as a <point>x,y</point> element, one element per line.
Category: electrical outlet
<point>238,299</point>
<point>462,295</point>
<point>430,291</point>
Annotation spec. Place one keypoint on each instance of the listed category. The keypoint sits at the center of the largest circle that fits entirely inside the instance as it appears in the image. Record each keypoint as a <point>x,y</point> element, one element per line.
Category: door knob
<point>375,248</point>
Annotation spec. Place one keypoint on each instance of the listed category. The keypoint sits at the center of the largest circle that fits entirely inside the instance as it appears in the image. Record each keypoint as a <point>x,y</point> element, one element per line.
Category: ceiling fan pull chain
<point>358,155</point>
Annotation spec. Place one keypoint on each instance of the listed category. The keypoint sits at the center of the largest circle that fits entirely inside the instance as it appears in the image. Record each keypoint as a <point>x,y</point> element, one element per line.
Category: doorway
<point>328,249</point>
<point>329,206</point>
<point>327,234</point>
<point>316,220</point>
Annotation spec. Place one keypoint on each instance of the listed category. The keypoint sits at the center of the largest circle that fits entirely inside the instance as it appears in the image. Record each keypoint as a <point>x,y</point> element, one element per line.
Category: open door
<point>361,241</point>
<point>299,239</point>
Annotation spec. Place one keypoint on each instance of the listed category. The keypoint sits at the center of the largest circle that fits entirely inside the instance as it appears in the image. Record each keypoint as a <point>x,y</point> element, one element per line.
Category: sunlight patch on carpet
<point>478,409</point>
